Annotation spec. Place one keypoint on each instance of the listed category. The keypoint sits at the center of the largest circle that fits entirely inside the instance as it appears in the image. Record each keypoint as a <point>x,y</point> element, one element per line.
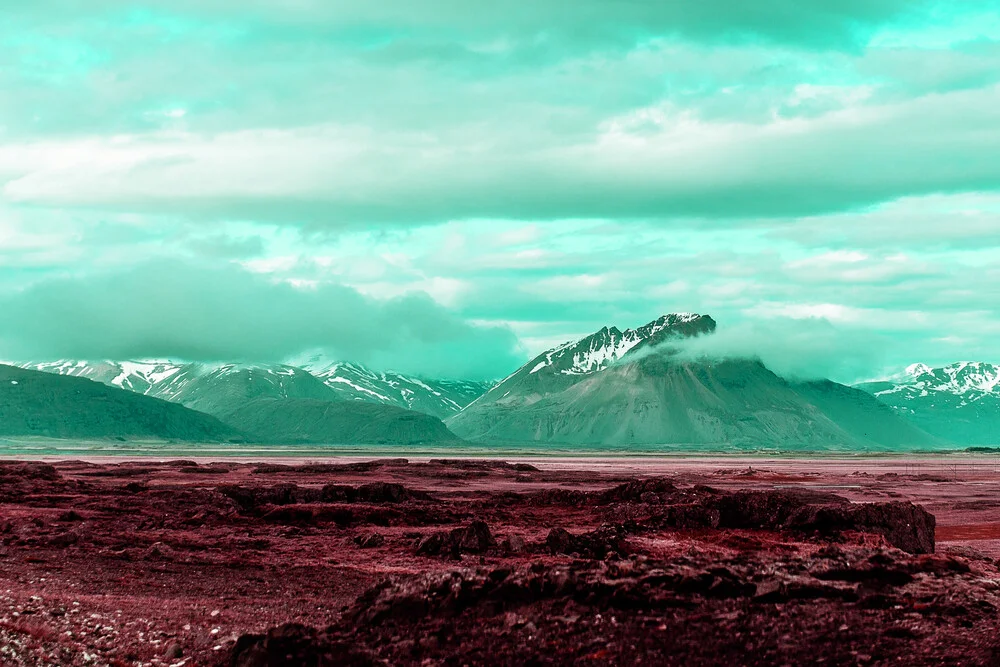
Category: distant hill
<point>294,420</point>
<point>628,388</point>
<point>959,402</point>
<point>42,404</point>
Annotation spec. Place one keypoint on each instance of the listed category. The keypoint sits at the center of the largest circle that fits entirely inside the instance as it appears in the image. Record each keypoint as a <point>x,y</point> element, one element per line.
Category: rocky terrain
<point>478,562</point>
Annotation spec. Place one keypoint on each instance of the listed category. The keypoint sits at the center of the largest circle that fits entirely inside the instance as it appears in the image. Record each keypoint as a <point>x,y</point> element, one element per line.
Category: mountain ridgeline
<point>217,388</point>
<point>616,388</point>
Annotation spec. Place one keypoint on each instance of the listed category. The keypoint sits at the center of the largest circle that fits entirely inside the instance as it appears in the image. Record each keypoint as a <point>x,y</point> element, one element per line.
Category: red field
<point>547,562</point>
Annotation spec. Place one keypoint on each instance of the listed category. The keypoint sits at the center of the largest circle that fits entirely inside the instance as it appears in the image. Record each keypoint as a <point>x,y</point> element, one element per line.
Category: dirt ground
<point>566,561</point>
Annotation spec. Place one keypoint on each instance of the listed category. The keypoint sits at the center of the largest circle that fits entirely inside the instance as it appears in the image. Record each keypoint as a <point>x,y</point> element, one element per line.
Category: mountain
<point>629,388</point>
<point>48,405</point>
<point>160,379</point>
<point>287,404</point>
<point>440,398</point>
<point>221,390</point>
<point>214,387</point>
<point>959,402</point>
<point>302,420</point>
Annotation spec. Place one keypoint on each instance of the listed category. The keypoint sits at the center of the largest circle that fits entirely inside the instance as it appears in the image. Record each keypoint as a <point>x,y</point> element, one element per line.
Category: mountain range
<point>959,402</point>
<point>620,388</point>
<point>216,388</point>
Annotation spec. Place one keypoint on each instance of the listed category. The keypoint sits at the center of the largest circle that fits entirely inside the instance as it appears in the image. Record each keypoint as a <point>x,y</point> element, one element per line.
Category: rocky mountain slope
<point>959,402</point>
<point>303,420</point>
<point>47,405</point>
<point>627,388</point>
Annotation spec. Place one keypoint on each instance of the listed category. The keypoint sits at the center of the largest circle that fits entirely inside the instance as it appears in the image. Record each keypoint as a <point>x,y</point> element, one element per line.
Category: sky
<point>448,188</point>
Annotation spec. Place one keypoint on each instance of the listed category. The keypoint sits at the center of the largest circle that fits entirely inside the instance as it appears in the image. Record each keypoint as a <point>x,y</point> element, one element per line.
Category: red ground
<point>157,564</point>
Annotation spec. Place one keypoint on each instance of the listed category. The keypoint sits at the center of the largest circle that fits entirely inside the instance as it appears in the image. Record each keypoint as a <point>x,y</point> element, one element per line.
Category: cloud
<point>194,312</point>
<point>802,349</point>
<point>815,23</point>
<point>335,176</point>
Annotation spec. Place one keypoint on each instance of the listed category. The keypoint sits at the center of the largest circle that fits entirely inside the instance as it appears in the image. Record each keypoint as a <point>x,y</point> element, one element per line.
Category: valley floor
<point>690,560</point>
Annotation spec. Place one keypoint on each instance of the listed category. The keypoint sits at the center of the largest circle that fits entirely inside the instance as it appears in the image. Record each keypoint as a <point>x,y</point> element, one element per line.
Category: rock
<point>648,490</point>
<point>904,525</point>
<point>513,545</point>
<point>158,551</point>
<point>474,538</point>
<point>30,470</point>
<point>767,509</point>
<point>688,517</point>
<point>173,651</point>
<point>597,544</point>
<point>560,541</point>
<point>63,540</point>
<point>382,492</point>
<point>431,545</point>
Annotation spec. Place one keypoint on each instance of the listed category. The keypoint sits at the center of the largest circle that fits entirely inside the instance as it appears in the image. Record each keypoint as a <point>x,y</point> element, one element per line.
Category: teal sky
<point>447,187</point>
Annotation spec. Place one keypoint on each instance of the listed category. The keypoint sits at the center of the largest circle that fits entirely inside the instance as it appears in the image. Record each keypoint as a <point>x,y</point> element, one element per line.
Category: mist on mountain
<point>796,349</point>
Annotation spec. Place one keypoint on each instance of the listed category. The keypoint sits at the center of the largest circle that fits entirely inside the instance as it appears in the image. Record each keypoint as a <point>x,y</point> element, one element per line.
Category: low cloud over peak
<point>169,309</point>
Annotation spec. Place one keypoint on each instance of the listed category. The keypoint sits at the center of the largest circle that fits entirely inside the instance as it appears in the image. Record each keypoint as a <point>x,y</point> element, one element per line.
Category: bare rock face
<point>475,538</point>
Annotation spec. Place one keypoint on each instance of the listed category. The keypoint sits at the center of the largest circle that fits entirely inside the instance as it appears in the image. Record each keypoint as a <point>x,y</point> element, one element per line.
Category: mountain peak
<point>918,369</point>
<point>606,346</point>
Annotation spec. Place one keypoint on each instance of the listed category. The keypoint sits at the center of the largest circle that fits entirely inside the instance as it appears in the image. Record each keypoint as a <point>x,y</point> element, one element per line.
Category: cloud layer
<point>542,168</point>
<point>190,312</point>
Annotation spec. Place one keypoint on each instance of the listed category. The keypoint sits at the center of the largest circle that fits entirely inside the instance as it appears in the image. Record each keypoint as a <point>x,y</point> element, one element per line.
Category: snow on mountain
<point>568,363</point>
<point>972,380</point>
<point>597,351</point>
<point>160,379</point>
<point>440,398</point>
<point>215,388</point>
<point>960,401</point>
